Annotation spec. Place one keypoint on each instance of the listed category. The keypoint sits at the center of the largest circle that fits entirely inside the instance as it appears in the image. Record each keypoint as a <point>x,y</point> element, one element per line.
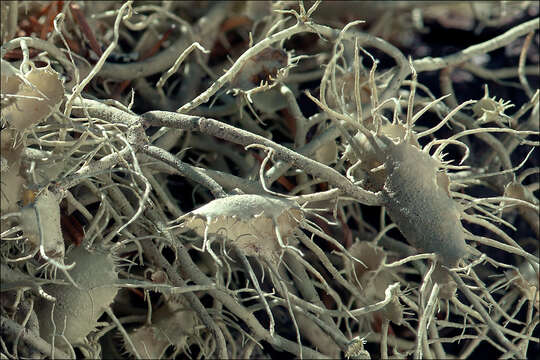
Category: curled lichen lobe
<point>251,222</point>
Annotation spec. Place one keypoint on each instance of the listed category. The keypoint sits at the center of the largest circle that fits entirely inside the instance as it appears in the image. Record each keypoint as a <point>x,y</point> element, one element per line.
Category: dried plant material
<point>8,20</point>
<point>75,312</point>
<point>373,278</point>
<point>518,191</point>
<point>345,193</point>
<point>421,208</point>
<point>8,79</point>
<point>261,68</point>
<point>489,109</point>
<point>172,324</point>
<point>37,97</point>
<point>41,224</point>
<point>327,154</point>
<point>371,159</point>
<point>356,350</point>
<point>344,96</point>
<point>257,225</point>
<point>11,185</point>
<point>442,278</point>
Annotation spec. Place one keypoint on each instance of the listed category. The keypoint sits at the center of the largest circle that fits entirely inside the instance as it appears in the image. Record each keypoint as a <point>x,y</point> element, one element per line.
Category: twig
<point>245,138</point>
<point>11,328</point>
<point>432,64</point>
<point>483,313</point>
<point>95,70</point>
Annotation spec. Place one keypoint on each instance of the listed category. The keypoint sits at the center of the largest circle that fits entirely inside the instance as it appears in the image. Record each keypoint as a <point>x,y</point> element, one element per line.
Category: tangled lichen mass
<point>260,179</point>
